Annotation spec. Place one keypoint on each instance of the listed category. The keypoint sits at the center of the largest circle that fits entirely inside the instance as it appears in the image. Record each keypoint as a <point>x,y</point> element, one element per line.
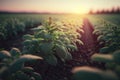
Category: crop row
<point>109,35</point>
<point>11,27</point>
<point>53,39</point>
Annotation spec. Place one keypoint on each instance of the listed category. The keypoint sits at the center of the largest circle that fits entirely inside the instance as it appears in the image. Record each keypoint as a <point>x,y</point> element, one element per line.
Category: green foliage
<point>12,65</point>
<point>87,73</point>
<point>104,50</point>
<point>102,57</point>
<point>116,56</point>
<point>109,33</point>
<point>52,40</point>
<point>112,61</point>
<point>51,59</point>
<point>13,25</point>
<point>4,54</point>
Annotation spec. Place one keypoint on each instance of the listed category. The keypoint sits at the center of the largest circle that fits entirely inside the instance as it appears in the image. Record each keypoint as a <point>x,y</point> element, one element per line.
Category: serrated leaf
<point>39,28</point>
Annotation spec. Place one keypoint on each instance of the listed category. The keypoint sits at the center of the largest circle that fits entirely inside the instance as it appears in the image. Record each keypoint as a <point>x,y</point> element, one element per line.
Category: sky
<point>57,6</point>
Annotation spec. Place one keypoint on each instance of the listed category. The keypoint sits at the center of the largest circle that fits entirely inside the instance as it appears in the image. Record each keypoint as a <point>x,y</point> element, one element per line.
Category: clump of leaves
<point>109,34</point>
<point>53,39</point>
<point>88,73</point>
<point>112,61</point>
<point>11,27</point>
<point>12,66</point>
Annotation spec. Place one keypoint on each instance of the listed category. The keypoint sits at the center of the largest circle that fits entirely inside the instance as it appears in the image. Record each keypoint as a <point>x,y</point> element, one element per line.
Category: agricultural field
<point>59,47</point>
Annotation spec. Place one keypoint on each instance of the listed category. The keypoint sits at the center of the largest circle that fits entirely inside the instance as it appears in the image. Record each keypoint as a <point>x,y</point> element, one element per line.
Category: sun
<point>80,11</point>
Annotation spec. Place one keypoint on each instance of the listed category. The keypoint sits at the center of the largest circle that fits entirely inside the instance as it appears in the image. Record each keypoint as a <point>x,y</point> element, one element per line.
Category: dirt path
<point>88,38</point>
<point>90,46</point>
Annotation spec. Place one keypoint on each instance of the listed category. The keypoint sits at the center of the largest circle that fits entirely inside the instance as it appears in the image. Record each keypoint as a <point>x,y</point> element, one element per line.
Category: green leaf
<point>87,73</point>
<point>101,37</point>
<point>61,51</point>
<point>104,50</point>
<point>28,57</point>
<point>37,76</point>
<point>116,56</point>
<point>22,76</point>
<point>80,42</point>
<point>96,31</point>
<point>35,41</point>
<point>27,42</point>
<point>46,48</point>
<point>102,57</point>
<point>19,63</point>
<point>4,54</point>
<point>15,51</point>
<point>110,65</point>
<point>109,75</point>
<point>68,56</point>
<point>72,47</point>
<point>28,69</point>
<point>66,40</point>
<point>59,42</point>
<point>51,59</point>
<point>48,36</point>
<point>28,36</point>
<point>117,69</point>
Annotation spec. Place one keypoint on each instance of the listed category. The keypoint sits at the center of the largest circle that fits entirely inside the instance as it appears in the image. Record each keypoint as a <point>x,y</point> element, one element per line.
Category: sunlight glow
<point>79,11</point>
<point>57,6</point>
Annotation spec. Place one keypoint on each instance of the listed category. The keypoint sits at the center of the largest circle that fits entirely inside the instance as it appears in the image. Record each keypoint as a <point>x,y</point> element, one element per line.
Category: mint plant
<point>111,61</point>
<point>12,66</point>
<point>88,73</point>
<point>109,35</point>
<point>52,40</point>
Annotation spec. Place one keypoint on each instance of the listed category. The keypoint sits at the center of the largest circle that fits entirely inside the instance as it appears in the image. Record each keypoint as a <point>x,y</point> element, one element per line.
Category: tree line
<point>114,10</point>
